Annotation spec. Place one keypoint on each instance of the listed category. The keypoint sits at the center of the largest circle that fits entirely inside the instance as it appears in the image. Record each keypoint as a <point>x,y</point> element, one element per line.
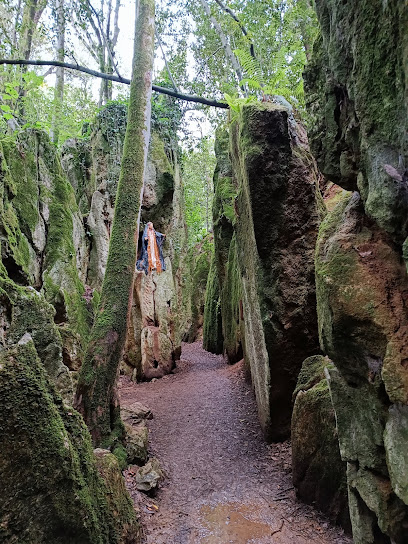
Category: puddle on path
<point>237,523</point>
<point>232,523</point>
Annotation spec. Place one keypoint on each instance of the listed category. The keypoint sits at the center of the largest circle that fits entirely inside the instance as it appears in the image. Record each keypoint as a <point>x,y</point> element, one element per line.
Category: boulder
<point>25,311</point>
<point>135,413</point>
<point>362,290</point>
<point>319,474</point>
<point>362,286</point>
<point>149,476</point>
<point>125,528</point>
<point>137,438</point>
<point>51,489</point>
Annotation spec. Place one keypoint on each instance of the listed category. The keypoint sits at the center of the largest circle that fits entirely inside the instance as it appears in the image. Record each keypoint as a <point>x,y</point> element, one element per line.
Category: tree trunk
<point>33,9</point>
<point>59,75</point>
<point>224,40</point>
<point>96,395</point>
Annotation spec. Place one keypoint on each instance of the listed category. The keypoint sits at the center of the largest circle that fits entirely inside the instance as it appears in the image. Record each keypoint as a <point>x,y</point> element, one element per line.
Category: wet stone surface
<point>223,483</point>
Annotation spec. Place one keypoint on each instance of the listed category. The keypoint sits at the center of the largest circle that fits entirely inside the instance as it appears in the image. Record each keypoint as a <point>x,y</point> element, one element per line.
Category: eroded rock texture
<point>319,474</point>
<point>222,330</point>
<point>160,313</point>
<point>357,91</point>
<point>265,228</point>
<point>276,229</point>
<point>51,488</point>
<point>362,290</point>
<point>43,241</point>
<point>200,258</point>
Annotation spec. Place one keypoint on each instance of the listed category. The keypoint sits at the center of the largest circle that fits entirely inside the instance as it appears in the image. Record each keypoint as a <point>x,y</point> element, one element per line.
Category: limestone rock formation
<point>25,311</point>
<point>43,238</point>
<point>199,260</point>
<point>222,330</point>
<point>160,313</point>
<point>357,96</point>
<point>137,443</point>
<point>51,489</point>
<point>319,474</point>
<point>158,319</point>
<point>149,476</point>
<point>362,287</point>
<point>212,321</point>
<point>276,229</point>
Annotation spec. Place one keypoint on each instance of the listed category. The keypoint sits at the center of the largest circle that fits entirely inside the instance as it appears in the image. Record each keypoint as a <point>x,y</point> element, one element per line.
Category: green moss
<point>312,373</point>
<point>31,169</point>
<point>17,242</point>
<point>108,337</point>
<point>158,154</point>
<point>199,259</point>
<point>212,328</point>
<point>405,252</point>
<point>355,88</point>
<point>48,456</point>
<point>120,453</point>
<point>319,474</point>
<point>231,303</point>
<point>21,177</point>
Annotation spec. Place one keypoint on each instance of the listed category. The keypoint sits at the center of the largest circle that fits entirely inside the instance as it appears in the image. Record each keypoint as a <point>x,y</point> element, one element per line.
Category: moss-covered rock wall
<point>200,257</point>
<point>161,312</point>
<point>265,228</point>
<point>51,488</point>
<point>222,332</point>
<point>319,474</point>
<point>276,229</point>
<point>43,240</point>
<point>356,86</point>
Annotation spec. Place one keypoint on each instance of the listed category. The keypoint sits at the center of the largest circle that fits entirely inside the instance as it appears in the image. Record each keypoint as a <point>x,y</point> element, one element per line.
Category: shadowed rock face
<point>276,229</point>
<point>356,87</point>
<point>362,290</point>
<point>222,323</point>
<point>319,474</point>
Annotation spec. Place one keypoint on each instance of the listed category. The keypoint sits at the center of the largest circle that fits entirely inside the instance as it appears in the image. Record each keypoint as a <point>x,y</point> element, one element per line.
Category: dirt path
<point>224,484</point>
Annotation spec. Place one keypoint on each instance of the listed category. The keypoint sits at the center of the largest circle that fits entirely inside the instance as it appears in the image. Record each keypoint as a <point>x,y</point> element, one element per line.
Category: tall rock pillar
<point>276,227</point>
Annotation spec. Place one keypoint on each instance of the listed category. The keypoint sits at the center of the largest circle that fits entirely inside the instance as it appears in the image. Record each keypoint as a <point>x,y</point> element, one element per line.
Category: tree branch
<point>241,26</point>
<point>165,61</point>
<point>105,39</point>
<point>111,77</point>
<point>227,48</point>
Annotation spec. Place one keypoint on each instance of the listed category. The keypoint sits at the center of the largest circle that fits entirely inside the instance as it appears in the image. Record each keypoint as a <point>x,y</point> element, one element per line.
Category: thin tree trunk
<point>32,12</point>
<point>16,23</point>
<point>96,396</point>
<point>166,63</point>
<point>227,48</point>
<point>59,75</point>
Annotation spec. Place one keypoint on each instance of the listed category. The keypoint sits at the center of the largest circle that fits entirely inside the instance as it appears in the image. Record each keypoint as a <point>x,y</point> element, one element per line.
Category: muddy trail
<point>224,484</point>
